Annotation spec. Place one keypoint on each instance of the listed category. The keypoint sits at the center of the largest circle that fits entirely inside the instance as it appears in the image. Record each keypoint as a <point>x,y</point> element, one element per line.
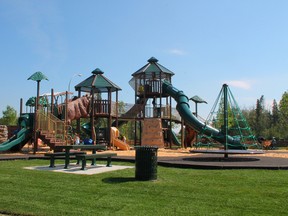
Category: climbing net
<point>227,117</point>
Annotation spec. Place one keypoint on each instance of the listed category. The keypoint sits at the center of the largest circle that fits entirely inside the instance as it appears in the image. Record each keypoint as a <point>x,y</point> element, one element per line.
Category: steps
<point>50,139</point>
<point>51,129</point>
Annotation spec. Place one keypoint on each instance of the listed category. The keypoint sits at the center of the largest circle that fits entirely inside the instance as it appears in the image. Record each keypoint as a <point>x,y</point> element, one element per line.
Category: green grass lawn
<point>176,192</point>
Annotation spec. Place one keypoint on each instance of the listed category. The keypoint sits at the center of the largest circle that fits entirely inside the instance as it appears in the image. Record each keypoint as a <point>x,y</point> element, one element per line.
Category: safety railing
<point>51,124</point>
<point>101,106</point>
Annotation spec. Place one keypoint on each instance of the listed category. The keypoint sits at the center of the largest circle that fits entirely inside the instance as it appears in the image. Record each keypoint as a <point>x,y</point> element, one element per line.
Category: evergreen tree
<point>258,115</point>
<point>275,117</point>
<point>262,123</point>
<point>283,115</point>
<point>251,118</point>
<point>275,113</point>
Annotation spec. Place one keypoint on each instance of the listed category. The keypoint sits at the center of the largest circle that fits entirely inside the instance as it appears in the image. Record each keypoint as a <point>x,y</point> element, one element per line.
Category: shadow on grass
<point>118,180</point>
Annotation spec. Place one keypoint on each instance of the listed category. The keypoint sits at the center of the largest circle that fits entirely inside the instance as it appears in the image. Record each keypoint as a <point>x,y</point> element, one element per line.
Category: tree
<point>266,123</point>
<point>121,107</point>
<point>128,128</point>
<point>218,121</point>
<point>9,116</point>
<point>259,119</point>
<point>262,118</point>
<point>258,114</point>
<point>275,113</point>
<point>283,117</point>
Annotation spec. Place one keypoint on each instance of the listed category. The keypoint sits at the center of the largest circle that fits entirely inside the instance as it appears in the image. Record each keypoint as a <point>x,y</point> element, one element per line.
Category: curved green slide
<point>175,139</point>
<point>17,141</point>
<point>184,110</point>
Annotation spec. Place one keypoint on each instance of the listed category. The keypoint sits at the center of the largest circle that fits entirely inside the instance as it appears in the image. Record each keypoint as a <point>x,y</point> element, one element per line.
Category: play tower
<point>101,106</point>
<point>152,109</point>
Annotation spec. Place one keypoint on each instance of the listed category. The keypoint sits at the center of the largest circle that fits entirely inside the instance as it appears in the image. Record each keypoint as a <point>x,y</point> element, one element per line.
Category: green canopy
<point>42,101</point>
<point>197,99</point>
<point>97,81</point>
<point>152,67</point>
<point>37,76</point>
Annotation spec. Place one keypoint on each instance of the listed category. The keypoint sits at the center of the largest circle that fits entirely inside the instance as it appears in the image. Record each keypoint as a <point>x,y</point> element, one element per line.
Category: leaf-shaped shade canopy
<point>32,101</point>
<point>197,99</point>
<point>38,76</point>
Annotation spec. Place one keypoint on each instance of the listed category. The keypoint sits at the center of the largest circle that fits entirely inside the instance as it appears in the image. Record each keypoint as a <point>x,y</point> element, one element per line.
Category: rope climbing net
<point>227,117</point>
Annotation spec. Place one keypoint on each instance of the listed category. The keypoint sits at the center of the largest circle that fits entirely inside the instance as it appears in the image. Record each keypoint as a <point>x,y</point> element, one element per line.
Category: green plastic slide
<point>175,139</point>
<point>19,139</point>
<point>16,142</point>
<point>184,110</point>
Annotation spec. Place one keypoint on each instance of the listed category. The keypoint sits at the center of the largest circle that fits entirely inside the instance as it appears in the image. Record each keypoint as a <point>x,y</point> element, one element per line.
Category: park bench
<point>93,157</point>
<point>61,155</point>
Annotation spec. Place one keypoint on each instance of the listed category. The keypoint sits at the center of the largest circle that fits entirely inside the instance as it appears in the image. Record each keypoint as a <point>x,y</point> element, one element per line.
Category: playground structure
<point>96,106</point>
<point>152,112</point>
<point>58,117</point>
<point>231,144</point>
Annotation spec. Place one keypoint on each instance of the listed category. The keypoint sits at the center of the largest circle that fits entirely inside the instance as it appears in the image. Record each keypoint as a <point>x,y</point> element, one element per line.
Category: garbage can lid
<point>146,147</point>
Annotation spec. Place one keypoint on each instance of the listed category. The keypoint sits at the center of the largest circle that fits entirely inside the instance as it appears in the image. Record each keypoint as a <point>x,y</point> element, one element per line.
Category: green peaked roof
<point>97,81</point>
<point>153,67</point>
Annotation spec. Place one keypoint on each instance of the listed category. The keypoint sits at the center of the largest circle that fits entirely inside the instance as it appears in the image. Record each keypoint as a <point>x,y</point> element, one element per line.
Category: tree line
<point>268,123</point>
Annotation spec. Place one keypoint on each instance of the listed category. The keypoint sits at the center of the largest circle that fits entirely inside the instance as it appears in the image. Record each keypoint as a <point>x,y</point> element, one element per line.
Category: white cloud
<point>240,84</point>
<point>177,52</point>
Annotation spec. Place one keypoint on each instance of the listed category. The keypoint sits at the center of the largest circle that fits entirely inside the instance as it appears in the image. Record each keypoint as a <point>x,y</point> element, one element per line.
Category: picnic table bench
<point>61,155</point>
<point>67,151</point>
<point>84,157</point>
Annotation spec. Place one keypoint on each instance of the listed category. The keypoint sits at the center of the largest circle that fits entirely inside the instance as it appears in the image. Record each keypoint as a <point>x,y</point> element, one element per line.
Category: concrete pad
<point>76,169</point>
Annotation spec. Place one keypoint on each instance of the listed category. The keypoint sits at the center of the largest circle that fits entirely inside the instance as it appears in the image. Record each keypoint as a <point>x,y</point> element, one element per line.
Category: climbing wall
<point>152,134</point>
<point>3,133</point>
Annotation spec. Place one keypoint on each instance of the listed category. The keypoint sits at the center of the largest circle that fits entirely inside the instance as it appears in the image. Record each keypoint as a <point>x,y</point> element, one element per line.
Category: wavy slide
<point>184,110</point>
<point>120,144</point>
<point>117,142</point>
<point>17,141</point>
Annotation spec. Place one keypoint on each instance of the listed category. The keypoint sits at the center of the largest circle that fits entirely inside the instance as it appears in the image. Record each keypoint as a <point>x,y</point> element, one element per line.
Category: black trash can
<point>146,163</point>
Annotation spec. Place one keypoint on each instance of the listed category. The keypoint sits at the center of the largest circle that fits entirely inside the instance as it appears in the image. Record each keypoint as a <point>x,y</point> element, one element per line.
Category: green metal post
<point>225,86</point>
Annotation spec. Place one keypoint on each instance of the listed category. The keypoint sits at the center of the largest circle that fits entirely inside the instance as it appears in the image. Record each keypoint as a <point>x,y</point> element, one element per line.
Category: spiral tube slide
<point>184,110</point>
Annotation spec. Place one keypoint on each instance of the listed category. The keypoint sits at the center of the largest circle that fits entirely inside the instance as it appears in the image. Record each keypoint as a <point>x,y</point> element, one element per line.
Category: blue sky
<point>206,43</point>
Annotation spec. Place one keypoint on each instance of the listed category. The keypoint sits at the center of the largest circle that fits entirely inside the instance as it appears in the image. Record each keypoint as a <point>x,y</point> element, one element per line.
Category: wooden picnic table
<point>67,148</point>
